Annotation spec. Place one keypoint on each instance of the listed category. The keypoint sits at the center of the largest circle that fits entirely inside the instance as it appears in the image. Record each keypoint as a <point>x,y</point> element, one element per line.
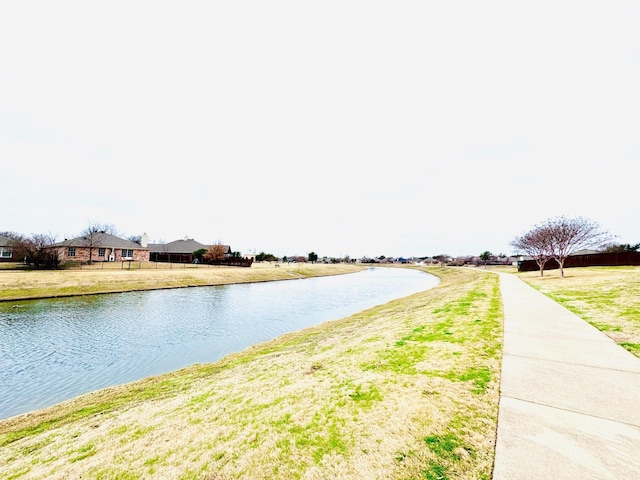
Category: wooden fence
<point>188,258</point>
<point>590,260</point>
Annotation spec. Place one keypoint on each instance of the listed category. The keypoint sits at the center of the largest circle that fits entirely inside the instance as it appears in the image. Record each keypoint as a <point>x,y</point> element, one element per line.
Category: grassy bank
<point>21,284</point>
<point>606,297</point>
<point>408,389</point>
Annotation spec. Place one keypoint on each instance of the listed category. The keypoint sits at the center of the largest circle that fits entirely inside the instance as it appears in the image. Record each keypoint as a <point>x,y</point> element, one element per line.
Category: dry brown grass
<point>405,390</point>
<point>606,297</point>
<point>20,284</point>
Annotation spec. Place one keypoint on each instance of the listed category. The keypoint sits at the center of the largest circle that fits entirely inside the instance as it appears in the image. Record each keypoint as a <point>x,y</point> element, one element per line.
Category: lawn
<point>606,297</point>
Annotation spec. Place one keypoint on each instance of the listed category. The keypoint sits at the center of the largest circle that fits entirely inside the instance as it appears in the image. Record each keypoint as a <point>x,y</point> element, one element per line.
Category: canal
<point>56,349</point>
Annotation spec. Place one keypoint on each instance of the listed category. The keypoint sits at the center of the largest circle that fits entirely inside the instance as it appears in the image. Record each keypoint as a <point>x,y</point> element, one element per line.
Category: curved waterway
<point>56,349</point>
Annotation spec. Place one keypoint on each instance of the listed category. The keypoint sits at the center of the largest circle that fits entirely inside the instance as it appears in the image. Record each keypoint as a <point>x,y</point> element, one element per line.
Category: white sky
<point>340,127</point>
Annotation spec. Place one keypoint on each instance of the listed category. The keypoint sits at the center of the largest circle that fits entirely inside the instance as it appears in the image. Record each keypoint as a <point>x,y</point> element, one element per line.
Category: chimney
<point>144,240</point>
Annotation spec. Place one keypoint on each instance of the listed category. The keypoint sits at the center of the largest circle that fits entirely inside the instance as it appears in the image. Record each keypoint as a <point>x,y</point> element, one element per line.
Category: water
<point>56,349</point>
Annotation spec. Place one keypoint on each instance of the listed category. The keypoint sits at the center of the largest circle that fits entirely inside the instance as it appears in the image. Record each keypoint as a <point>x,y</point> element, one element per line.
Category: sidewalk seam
<point>572,411</point>
<point>550,360</point>
<point>605,339</point>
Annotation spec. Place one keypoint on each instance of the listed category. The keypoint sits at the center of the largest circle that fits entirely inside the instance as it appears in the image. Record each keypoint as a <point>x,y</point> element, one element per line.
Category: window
<point>5,252</point>
<point>71,252</point>
<point>102,252</point>
<point>127,253</point>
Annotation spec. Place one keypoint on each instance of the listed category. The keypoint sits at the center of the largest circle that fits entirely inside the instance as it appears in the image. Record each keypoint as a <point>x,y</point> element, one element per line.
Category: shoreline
<point>17,286</point>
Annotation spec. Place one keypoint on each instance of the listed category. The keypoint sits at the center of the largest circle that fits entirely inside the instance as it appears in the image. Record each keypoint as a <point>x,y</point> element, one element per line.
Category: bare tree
<point>135,239</point>
<point>43,254</point>
<point>36,250</point>
<point>568,235</point>
<point>442,258</point>
<point>535,243</point>
<point>93,235</point>
<point>560,237</point>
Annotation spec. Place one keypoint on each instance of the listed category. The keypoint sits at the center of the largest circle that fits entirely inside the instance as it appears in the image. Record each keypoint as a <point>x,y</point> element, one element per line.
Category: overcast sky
<point>340,127</point>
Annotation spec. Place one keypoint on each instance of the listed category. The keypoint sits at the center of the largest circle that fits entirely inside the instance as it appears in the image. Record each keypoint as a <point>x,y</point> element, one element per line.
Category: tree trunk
<point>561,265</point>
<point>541,265</point>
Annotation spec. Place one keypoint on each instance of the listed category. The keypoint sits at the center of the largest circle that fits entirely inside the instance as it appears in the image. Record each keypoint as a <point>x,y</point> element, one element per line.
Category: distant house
<point>426,261</point>
<point>6,249</point>
<point>179,251</point>
<point>102,247</point>
<point>586,251</point>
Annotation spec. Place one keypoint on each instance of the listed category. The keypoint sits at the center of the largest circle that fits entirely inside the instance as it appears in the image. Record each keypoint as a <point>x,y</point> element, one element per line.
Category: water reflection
<point>53,350</point>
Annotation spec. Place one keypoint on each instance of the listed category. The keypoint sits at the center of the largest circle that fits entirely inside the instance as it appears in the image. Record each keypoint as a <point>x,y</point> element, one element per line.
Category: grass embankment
<point>27,284</point>
<point>408,389</point>
<point>606,297</point>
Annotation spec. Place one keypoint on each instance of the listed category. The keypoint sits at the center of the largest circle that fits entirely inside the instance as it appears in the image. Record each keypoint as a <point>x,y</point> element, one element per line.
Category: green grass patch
<point>12,475</point>
<point>445,448</point>
<point>83,452</point>
<point>632,347</point>
<point>365,395</point>
<point>401,359</point>
<point>322,436</point>
<point>480,377</point>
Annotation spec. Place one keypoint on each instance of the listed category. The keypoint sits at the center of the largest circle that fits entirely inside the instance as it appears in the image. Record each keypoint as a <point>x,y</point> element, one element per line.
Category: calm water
<point>54,350</point>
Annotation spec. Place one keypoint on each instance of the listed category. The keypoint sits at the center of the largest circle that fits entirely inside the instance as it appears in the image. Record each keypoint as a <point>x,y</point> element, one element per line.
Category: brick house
<point>104,247</point>
<point>179,251</point>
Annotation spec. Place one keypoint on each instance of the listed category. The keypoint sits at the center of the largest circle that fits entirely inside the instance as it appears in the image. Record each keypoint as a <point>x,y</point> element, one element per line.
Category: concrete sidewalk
<point>570,396</point>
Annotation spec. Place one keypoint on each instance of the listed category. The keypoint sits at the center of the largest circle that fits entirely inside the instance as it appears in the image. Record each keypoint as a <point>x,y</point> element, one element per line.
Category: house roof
<point>5,241</point>
<point>101,240</point>
<point>585,251</point>
<point>186,246</point>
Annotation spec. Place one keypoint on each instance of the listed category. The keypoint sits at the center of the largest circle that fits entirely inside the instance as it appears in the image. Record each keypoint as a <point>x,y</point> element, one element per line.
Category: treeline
<point>34,250</point>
